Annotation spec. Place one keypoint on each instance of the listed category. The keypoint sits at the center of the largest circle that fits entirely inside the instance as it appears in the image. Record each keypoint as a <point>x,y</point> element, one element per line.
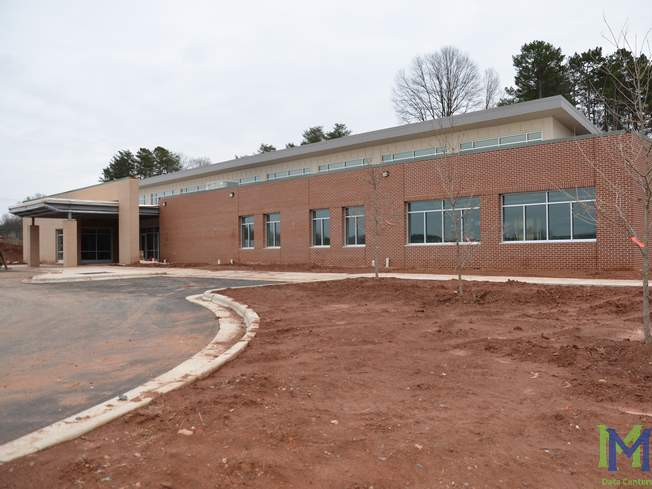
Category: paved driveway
<point>66,347</point>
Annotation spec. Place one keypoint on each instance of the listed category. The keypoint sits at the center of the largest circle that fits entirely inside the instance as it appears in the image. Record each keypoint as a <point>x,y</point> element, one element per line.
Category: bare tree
<point>198,162</point>
<point>437,85</point>
<point>491,88</point>
<point>461,211</point>
<point>624,163</point>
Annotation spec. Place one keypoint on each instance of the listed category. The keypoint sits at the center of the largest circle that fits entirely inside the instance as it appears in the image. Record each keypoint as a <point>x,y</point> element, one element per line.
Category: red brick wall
<point>204,227</point>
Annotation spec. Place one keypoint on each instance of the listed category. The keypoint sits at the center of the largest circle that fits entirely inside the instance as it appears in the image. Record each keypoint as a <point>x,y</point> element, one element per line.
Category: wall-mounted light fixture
<point>231,195</point>
<point>385,174</point>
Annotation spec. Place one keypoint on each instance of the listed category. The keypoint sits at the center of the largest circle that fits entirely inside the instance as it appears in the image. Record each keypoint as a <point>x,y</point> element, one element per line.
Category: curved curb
<point>203,363</point>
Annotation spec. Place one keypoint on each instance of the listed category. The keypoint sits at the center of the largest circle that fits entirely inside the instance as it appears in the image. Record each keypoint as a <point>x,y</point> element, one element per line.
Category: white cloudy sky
<point>80,80</point>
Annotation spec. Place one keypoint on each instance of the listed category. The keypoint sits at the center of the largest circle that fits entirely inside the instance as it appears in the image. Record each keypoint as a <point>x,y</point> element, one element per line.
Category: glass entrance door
<point>149,243</point>
<point>97,245</point>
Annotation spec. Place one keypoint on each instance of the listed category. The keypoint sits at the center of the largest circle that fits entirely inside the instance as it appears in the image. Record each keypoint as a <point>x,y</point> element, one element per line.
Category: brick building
<point>516,186</point>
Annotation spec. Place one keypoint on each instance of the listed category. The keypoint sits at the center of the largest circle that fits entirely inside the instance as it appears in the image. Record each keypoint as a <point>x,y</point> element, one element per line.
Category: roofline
<point>391,134</point>
<point>53,205</point>
<point>49,200</point>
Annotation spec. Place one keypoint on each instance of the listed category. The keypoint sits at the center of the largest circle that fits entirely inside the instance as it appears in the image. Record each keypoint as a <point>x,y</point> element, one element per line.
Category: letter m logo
<point>635,446</point>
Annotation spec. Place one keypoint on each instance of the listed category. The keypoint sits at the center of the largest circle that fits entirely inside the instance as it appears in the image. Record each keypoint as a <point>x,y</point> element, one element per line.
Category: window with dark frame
<point>321,233</point>
<point>559,215</point>
<point>247,232</point>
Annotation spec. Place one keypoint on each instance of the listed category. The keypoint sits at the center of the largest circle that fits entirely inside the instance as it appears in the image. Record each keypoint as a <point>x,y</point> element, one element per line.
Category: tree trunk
<point>458,260</point>
<point>646,272</point>
<point>376,266</point>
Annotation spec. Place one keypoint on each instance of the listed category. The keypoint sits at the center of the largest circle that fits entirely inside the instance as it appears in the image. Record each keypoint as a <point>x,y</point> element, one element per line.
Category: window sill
<point>354,246</point>
<point>272,247</point>
<point>321,247</point>
<point>247,248</point>
<point>465,243</point>
<point>550,241</point>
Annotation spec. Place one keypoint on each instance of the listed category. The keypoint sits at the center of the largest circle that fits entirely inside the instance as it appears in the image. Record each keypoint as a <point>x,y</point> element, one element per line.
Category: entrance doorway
<point>97,245</point>
<point>149,243</point>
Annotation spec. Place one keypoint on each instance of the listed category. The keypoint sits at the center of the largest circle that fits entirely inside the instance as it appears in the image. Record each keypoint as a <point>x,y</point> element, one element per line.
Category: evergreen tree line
<point>145,163</point>
<point>311,135</point>
<point>594,82</point>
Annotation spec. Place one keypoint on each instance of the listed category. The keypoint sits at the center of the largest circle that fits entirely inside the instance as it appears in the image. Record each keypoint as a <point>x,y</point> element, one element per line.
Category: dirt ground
<point>13,253</point>
<point>387,384</point>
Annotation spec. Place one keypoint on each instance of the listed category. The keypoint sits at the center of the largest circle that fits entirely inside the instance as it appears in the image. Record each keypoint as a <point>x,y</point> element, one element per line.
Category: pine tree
<point>540,72</point>
<point>313,135</point>
<point>166,161</point>
<point>266,148</point>
<point>339,130</point>
<point>145,163</point>
<point>122,165</point>
<point>587,77</point>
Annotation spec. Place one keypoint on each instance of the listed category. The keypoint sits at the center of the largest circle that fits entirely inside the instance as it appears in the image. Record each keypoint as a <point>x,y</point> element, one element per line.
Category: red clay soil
<point>387,384</point>
<point>13,253</point>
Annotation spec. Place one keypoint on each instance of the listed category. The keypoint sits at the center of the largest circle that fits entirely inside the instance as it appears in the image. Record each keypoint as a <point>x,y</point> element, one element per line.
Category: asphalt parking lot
<point>66,347</point>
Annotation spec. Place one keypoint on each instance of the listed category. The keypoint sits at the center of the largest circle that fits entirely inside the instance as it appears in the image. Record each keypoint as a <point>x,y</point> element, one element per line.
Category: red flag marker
<point>637,242</point>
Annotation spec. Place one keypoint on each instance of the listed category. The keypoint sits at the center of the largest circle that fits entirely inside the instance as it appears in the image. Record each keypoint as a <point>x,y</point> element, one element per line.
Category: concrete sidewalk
<point>86,273</point>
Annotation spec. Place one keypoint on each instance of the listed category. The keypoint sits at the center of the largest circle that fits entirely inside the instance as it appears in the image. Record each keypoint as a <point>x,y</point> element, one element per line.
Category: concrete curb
<point>203,363</point>
<point>90,278</point>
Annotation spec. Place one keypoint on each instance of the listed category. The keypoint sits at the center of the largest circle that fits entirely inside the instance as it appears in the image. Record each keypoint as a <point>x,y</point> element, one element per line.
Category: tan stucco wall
<point>47,238</point>
<point>549,126</point>
<point>124,191</point>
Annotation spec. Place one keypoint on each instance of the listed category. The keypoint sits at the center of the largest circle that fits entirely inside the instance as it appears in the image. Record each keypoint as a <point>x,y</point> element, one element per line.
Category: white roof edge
<point>46,200</point>
<point>556,102</point>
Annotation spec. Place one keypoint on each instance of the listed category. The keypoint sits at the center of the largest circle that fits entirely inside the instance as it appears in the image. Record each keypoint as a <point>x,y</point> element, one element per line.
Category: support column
<point>34,258</point>
<point>70,243</point>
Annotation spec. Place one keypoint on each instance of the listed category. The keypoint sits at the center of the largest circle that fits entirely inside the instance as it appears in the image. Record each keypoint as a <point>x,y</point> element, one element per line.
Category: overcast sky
<point>80,80</point>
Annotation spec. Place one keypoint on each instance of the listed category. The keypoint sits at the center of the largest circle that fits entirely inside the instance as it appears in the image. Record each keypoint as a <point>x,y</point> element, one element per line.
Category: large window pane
<point>350,231</point>
<point>104,240</point>
<point>424,205</point>
<point>586,193</point>
<point>535,222</point>
<point>326,229</point>
<point>416,228</point>
<point>452,226</point>
<point>316,233</point>
<point>361,230</point>
<point>513,224</point>
<point>584,220</point>
<point>462,202</point>
<point>559,222</point>
<point>355,211</point>
<point>525,198</point>
<point>433,227</point>
<point>566,195</point>
<point>471,225</point>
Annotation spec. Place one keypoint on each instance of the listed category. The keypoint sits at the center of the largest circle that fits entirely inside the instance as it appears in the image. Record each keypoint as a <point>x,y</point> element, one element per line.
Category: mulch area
<point>385,384</point>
